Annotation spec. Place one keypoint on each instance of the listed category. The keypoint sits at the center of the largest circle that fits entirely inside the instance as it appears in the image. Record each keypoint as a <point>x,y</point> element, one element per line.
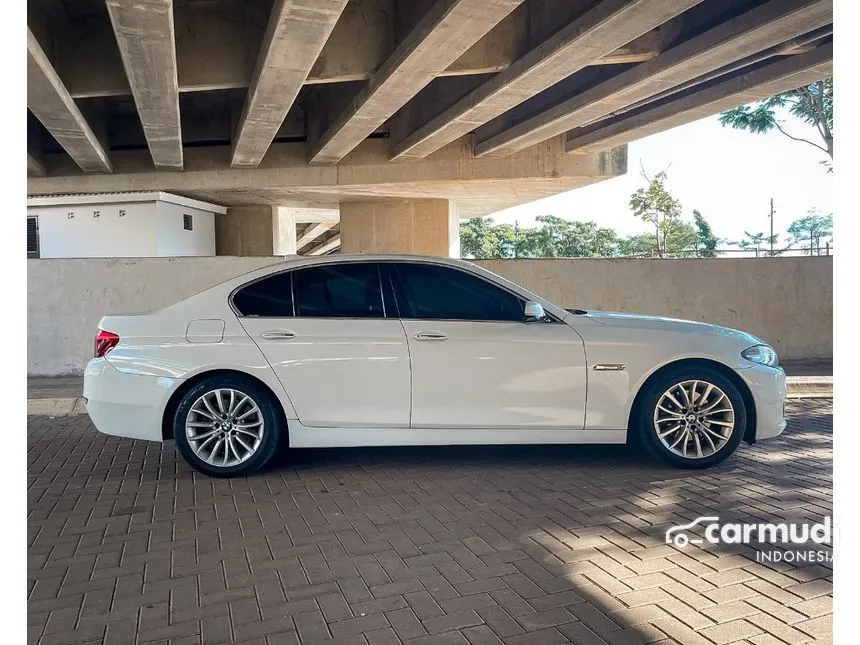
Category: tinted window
<point>338,291</point>
<point>268,297</point>
<point>442,293</point>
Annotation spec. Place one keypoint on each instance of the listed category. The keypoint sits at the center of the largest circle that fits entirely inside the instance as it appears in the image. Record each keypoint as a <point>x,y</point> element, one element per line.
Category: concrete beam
<point>445,32</point>
<point>51,104</point>
<point>296,33</point>
<point>312,232</point>
<point>217,49</point>
<point>594,34</point>
<point>758,29</point>
<point>782,75</point>
<point>325,247</point>
<point>34,166</point>
<point>145,36</point>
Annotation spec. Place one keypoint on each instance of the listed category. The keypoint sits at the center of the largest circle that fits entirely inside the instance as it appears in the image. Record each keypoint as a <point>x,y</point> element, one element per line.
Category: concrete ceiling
<point>320,101</point>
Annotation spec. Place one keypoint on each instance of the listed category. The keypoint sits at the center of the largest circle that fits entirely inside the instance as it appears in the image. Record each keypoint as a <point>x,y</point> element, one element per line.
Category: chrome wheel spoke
<point>672,413</point>
<point>238,406</point>
<point>720,422</point>
<point>245,426</point>
<point>203,435</point>
<point>245,415</point>
<point>704,398</point>
<point>710,441</point>
<point>714,404</point>
<point>669,396</point>
<point>666,433</point>
<point>687,401</point>
<point>240,441</point>
<point>209,407</point>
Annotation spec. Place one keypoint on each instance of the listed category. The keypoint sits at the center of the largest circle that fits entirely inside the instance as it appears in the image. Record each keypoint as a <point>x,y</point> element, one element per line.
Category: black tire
<point>644,427</point>
<point>273,427</point>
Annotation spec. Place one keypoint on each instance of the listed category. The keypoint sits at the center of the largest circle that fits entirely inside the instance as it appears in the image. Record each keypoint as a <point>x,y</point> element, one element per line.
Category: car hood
<point>676,325</point>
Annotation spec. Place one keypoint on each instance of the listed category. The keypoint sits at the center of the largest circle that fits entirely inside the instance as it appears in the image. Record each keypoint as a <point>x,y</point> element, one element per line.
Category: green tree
<point>808,231</point>
<point>559,237</point>
<point>812,104</point>
<point>655,205</point>
<point>481,238</point>
<point>681,238</point>
<point>641,245</point>
<point>706,241</point>
<point>753,241</point>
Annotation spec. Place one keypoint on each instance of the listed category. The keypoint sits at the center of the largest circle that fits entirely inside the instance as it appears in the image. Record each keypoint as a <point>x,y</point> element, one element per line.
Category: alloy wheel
<point>694,419</point>
<point>224,427</point>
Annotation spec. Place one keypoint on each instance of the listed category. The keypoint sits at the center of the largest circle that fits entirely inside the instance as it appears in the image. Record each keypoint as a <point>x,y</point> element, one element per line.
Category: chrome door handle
<point>430,335</point>
<point>278,335</point>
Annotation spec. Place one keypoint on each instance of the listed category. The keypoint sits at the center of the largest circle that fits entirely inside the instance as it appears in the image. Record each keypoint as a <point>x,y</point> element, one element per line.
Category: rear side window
<point>270,297</point>
<point>442,293</point>
<point>338,291</point>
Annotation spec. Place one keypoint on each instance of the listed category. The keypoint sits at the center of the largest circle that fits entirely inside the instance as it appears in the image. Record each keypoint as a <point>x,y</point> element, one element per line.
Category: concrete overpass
<point>374,125</point>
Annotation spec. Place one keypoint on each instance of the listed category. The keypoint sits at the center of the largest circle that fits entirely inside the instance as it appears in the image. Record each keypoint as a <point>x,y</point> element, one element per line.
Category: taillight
<point>105,341</point>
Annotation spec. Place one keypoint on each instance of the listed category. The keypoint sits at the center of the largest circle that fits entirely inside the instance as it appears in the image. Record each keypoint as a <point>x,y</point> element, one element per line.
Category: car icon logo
<point>676,535</point>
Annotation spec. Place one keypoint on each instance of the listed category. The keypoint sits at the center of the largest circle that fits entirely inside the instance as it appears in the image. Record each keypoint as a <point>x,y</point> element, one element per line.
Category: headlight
<point>761,354</point>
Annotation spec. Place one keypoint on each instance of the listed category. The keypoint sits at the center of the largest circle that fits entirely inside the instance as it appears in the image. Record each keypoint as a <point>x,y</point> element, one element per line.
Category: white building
<point>133,224</point>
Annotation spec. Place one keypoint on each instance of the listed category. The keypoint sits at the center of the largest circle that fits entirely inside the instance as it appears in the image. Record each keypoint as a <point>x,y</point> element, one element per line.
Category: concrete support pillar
<point>256,230</point>
<point>420,226</point>
<point>283,230</point>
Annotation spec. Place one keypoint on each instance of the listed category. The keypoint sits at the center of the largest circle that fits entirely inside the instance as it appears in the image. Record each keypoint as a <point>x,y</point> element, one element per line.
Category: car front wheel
<point>227,426</point>
<point>691,417</point>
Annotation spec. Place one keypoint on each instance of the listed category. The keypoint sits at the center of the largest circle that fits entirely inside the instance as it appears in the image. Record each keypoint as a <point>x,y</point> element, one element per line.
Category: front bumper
<point>768,388</point>
<point>126,405</point>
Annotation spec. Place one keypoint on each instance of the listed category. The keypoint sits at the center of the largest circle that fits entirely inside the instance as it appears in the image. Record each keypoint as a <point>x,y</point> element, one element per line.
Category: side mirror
<point>534,312</point>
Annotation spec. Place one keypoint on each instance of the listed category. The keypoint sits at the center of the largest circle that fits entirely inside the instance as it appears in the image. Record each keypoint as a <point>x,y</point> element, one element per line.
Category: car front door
<point>476,363</point>
<point>324,331</point>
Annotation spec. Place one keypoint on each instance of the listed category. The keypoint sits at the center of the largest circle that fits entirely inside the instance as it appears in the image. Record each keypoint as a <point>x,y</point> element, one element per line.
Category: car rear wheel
<point>691,417</point>
<point>227,426</point>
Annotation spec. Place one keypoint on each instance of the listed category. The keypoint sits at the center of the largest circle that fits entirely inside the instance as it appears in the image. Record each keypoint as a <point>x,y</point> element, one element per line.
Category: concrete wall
<point>786,301</point>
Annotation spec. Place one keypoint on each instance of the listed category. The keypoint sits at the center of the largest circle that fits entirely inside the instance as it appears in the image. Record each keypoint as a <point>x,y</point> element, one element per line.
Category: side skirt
<point>305,437</point>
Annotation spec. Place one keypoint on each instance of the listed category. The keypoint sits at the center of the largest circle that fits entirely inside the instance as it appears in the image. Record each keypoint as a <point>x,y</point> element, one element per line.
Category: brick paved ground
<point>518,545</point>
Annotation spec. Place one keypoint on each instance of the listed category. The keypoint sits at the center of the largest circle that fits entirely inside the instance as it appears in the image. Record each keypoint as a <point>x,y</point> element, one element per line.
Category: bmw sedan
<point>388,350</point>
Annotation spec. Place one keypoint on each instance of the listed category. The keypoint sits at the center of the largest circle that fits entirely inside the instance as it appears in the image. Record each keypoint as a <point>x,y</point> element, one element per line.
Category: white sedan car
<point>388,350</point>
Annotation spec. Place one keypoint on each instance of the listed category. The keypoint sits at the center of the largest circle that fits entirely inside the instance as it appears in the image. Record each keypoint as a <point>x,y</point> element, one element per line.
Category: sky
<point>728,175</point>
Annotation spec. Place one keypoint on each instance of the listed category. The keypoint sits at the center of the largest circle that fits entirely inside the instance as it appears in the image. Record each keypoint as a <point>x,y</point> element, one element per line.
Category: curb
<point>799,387</point>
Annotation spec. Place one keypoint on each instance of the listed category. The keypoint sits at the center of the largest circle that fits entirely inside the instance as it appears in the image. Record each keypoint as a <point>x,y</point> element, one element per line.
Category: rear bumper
<point>768,388</point>
<point>126,405</point>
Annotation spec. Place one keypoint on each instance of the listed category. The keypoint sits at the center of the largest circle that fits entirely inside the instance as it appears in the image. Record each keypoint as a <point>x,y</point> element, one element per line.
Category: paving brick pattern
<point>463,545</point>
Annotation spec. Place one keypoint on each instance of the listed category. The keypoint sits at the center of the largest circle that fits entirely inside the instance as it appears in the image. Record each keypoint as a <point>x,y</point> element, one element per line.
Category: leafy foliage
<point>655,205</point>
<point>706,241</point>
<point>812,104</point>
<point>754,241</point>
<point>556,237</point>
<point>808,231</point>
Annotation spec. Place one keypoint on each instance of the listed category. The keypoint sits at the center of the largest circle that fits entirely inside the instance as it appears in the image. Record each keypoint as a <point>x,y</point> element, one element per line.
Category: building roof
<point>122,198</point>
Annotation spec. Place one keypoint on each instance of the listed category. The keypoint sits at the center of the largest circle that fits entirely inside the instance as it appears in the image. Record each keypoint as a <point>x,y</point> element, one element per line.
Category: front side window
<point>338,291</point>
<point>270,297</point>
<point>442,293</point>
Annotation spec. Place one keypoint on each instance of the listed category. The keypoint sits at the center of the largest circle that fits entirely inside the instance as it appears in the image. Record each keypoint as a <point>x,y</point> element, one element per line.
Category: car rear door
<point>324,331</point>
<point>476,363</point>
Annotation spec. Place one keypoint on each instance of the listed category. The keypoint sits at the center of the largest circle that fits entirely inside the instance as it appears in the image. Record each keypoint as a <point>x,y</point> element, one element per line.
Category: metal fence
<point>754,252</point>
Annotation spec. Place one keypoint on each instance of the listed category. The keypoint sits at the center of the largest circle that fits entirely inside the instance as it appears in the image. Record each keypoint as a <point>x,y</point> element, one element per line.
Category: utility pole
<point>516,236</point>
<point>771,227</point>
